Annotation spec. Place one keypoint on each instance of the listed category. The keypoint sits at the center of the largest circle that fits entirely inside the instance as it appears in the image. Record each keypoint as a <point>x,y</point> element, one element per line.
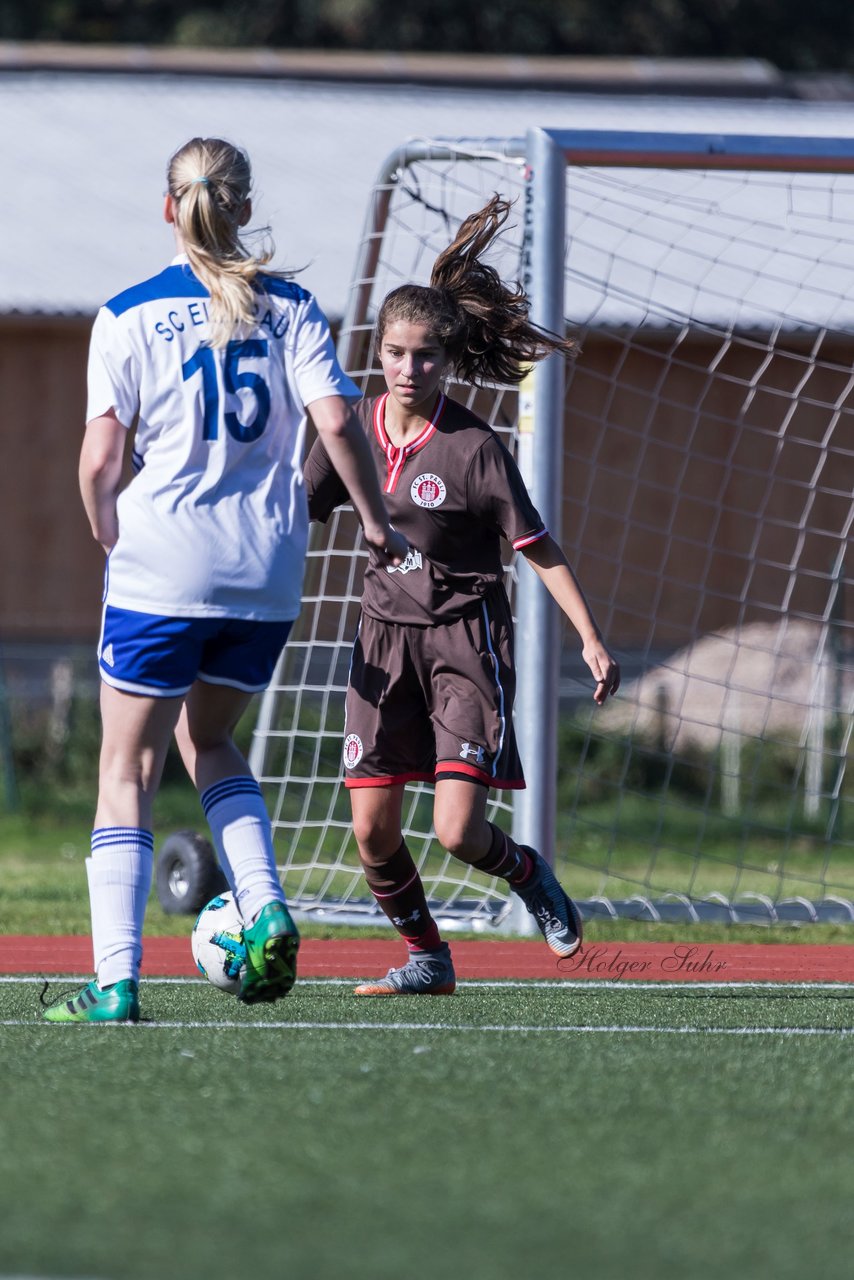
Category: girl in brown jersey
<point>432,678</point>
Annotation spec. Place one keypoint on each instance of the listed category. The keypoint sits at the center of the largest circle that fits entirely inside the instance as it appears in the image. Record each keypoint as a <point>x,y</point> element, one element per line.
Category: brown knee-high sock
<point>397,887</point>
<point>505,858</point>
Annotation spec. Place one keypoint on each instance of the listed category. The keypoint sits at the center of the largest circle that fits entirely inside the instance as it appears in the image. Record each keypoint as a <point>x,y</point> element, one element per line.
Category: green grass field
<point>43,890</point>
<point>511,1131</point>
<point>629,822</point>
<point>44,845</point>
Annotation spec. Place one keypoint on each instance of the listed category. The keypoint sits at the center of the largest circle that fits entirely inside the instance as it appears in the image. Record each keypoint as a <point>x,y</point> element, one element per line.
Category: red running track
<point>370,957</point>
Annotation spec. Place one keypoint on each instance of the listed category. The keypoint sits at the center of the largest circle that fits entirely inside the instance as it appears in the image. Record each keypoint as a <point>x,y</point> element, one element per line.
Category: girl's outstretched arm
<point>553,569</point>
<point>347,446</point>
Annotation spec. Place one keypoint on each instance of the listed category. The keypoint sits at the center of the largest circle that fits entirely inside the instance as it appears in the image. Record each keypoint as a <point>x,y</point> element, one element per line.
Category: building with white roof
<point>85,153</point>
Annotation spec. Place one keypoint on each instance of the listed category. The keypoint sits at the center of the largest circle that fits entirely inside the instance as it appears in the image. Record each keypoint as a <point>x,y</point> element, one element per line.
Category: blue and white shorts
<point>162,657</point>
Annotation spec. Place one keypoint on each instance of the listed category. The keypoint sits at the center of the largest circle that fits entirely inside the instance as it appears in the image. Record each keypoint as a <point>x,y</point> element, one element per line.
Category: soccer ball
<point>217,942</point>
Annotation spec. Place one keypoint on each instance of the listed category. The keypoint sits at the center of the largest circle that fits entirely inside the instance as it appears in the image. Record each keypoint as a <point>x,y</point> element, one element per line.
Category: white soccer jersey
<point>214,523</point>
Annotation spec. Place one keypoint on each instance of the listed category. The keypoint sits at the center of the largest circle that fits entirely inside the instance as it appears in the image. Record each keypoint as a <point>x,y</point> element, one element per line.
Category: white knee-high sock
<point>243,838</point>
<point>119,873</point>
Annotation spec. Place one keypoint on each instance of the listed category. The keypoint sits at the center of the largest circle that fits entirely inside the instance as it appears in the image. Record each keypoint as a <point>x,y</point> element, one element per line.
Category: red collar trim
<point>396,455</point>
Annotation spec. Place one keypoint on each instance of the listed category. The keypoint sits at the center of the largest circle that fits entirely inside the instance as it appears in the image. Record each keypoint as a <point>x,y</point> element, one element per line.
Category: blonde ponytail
<point>210,182</point>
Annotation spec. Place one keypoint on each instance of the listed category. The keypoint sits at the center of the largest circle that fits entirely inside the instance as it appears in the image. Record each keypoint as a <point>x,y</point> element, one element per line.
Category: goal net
<point>702,464</point>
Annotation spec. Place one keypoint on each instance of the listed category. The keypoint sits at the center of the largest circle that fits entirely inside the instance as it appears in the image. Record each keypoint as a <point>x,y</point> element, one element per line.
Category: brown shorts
<point>426,703</point>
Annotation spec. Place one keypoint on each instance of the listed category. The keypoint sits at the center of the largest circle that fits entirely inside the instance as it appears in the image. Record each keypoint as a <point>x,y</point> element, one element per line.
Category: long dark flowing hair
<point>481,322</point>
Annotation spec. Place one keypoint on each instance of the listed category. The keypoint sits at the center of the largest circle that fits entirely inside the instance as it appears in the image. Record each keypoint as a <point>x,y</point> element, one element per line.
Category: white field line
<point>550,984</point>
<point>461,1029</point>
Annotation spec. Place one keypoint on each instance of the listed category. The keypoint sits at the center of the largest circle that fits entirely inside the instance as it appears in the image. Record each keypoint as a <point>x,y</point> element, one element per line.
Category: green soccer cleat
<point>116,1003</point>
<point>271,944</point>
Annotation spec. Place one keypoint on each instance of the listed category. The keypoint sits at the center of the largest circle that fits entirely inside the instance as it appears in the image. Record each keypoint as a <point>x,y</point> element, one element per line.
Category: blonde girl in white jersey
<point>217,362</point>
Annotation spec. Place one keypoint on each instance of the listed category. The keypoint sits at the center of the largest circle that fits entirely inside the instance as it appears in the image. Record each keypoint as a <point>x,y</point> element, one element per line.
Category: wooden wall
<point>693,502</point>
<point>50,568</point>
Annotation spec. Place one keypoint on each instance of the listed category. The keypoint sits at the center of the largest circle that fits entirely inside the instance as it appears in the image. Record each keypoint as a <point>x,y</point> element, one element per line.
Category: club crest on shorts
<point>428,490</point>
<point>353,750</point>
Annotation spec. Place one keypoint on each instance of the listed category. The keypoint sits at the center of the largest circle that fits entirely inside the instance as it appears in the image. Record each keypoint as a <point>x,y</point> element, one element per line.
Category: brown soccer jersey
<point>453,493</point>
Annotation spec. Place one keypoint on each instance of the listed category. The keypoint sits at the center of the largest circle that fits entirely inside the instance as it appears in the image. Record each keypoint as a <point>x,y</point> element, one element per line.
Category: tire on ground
<point>188,874</point>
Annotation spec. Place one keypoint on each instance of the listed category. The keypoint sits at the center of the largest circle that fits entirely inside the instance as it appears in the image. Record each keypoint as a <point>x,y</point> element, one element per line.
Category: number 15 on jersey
<point>234,379</point>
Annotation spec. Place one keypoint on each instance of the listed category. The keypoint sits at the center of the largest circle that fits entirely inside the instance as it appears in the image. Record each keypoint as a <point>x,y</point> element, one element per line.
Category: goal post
<point>697,461</point>
<point>539,442</point>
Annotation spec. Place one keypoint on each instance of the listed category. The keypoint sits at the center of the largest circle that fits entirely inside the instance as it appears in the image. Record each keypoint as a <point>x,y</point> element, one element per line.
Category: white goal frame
<point>546,154</point>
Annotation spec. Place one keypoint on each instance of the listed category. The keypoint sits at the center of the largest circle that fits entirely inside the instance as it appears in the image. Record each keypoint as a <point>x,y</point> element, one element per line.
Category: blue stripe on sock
<point>105,837</point>
<point>227,789</point>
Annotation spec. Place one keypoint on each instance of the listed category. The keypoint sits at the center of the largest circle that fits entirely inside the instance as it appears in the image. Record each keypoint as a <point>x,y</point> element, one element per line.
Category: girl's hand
<point>606,670</point>
<point>389,546</point>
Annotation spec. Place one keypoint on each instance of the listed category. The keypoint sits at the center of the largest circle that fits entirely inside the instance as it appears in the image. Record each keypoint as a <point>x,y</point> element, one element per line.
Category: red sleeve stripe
<point>529,538</point>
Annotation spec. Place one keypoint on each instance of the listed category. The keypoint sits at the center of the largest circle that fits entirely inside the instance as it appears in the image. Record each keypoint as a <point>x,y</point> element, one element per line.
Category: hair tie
<point>204,181</point>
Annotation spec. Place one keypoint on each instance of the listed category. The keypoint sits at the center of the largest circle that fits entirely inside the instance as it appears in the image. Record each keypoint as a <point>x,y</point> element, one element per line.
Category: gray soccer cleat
<point>426,973</point>
<point>557,916</point>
